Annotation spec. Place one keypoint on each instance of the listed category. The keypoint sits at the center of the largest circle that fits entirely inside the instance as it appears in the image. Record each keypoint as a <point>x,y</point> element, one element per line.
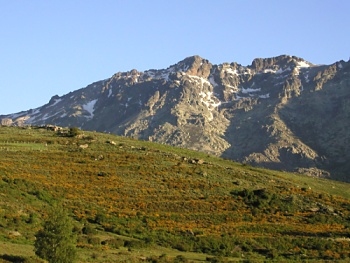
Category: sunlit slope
<point>169,197</point>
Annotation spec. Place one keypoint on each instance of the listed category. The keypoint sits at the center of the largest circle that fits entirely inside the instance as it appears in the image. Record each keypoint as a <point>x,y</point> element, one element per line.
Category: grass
<point>164,204</point>
<point>16,249</point>
<point>315,183</point>
<point>18,146</point>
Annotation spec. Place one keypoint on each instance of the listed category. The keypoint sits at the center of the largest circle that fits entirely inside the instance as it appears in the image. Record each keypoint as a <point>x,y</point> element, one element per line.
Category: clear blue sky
<point>54,47</point>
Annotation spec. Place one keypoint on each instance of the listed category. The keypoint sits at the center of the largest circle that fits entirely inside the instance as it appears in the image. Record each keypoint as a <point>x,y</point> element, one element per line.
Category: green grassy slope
<point>136,201</point>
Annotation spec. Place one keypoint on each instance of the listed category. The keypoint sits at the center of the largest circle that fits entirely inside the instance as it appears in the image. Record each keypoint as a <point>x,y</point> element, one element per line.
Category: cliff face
<point>281,113</point>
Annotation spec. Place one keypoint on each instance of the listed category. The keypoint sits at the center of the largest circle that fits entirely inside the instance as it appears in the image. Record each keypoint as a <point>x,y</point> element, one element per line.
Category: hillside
<point>136,201</point>
<point>282,113</point>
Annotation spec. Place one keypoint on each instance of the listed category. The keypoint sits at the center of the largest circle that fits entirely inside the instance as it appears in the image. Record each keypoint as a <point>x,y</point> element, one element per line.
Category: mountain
<point>282,113</point>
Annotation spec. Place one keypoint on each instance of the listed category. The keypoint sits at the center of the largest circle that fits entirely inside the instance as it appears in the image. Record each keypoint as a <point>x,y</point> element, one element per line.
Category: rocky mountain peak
<point>281,63</point>
<point>195,66</point>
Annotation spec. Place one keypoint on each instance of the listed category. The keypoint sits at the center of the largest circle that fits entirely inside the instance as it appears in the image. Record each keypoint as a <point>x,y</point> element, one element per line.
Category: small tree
<point>56,241</point>
<point>74,131</point>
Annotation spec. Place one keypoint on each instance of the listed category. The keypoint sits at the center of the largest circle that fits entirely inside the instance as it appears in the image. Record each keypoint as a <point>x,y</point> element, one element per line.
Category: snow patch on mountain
<point>249,90</point>
<point>303,64</point>
<point>89,107</point>
<point>231,71</point>
<point>56,102</point>
<point>165,76</point>
<point>265,96</point>
<point>212,81</point>
<point>280,70</point>
<point>35,111</point>
<point>110,92</point>
<point>160,74</point>
<point>201,80</point>
<point>210,101</point>
<point>300,65</point>
<point>270,71</point>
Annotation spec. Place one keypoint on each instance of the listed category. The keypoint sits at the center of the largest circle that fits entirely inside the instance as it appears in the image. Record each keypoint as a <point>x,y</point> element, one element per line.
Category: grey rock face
<point>281,113</point>
<point>6,122</point>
